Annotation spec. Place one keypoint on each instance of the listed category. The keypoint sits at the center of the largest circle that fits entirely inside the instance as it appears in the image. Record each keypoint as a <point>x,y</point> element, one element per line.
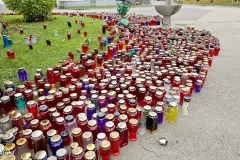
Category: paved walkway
<point>212,130</point>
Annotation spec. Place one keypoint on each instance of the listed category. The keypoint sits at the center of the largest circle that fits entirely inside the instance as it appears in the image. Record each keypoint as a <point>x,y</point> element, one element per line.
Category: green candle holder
<point>122,9</point>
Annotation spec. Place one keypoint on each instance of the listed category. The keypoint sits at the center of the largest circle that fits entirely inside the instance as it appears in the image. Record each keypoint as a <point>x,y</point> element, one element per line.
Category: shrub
<point>32,9</point>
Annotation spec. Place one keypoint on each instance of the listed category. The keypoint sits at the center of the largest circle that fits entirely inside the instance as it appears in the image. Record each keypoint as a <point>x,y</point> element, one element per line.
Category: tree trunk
<point>1,21</point>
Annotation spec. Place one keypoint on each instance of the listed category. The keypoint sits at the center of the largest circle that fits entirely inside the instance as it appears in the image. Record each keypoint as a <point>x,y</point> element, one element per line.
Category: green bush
<point>32,9</point>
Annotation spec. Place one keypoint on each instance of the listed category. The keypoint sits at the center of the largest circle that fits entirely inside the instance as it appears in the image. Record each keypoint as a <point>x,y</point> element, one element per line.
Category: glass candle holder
<point>26,155</point>
<point>11,148</point>
<point>92,127</point>
<point>17,121</point>
<point>28,94</point>
<point>87,138</point>
<point>45,126</point>
<point>152,122</point>
<point>77,136</point>
<point>105,150</point>
<point>40,155</point>
<point>35,125</point>
<point>44,112</point>
<point>5,124</point>
<point>56,143</point>
<point>77,153</point>
<point>19,101</point>
<point>38,141</point>
<point>102,102</point>
<point>22,146</point>
<point>70,123</point>
<point>62,154</point>
<point>90,111</point>
<point>185,106</point>
<point>159,111</point>
<point>133,127</point>
<point>60,121</point>
<point>66,138</point>
<point>115,143</point>
<point>109,127</point>
<point>172,112</point>
<point>90,155</point>
<point>101,119</point>
<point>32,107</point>
<point>82,122</point>
<point>123,131</point>
<point>92,147</point>
<point>27,134</point>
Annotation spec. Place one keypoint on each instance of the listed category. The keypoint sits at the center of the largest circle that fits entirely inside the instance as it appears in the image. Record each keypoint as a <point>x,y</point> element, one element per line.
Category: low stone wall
<point>69,3</point>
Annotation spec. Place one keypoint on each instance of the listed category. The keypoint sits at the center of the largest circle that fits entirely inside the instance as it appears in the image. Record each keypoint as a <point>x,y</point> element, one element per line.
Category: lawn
<point>43,56</point>
<point>215,2</point>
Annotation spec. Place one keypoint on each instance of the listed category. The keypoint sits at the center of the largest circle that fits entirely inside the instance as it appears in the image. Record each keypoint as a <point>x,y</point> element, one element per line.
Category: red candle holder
<point>69,36</point>
<point>133,127</point>
<point>105,150</point>
<point>85,33</point>
<point>44,26</point>
<point>32,107</point>
<point>11,54</point>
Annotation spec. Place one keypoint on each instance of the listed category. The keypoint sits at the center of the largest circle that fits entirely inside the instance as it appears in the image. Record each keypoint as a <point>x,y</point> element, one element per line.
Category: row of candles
<point>106,98</point>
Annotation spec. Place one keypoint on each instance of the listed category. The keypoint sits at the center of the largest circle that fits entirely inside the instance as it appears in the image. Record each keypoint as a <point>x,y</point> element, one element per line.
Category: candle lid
<point>77,151</point>
<point>76,132</point>
<point>92,123</point>
<point>101,97</point>
<point>109,124</point>
<point>123,117</point>
<point>52,158</point>
<point>60,120</point>
<point>50,97</point>
<point>66,100</point>
<point>147,108</point>
<point>74,145</point>
<point>114,135</point>
<point>91,147</point>
<point>139,109</point>
<point>34,122</point>
<point>104,110</point>
<point>111,105</point>
<point>132,110</point>
<point>55,138</point>
<point>5,99</point>
<point>90,155</point>
<point>152,114</point>
<point>123,107</point>
<point>53,109</point>
<point>30,103</point>
<point>158,109</point>
<point>42,98</point>
<point>61,153</point>
<point>8,82</point>
<point>20,86</point>
<point>173,104</point>
<point>4,119</point>
<point>87,136</point>
<point>91,106</point>
<point>21,141</point>
<point>101,136</point>
<point>17,116</point>
<point>121,126</point>
<point>27,132</point>
<point>67,109</point>
<point>148,98</point>
<point>43,108</point>
<point>133,122</point>
<point>55,115</point>
<point>110,117</point>
<point>7,136</point>
<point>26,155</point>
<point>100,115</point>
<point>27,91</point>
<point>9,147</point>
<point>10,157</point>
<point>44,123</point>
<point>105,145</point>
<point>41,155</point>
<point>36,135</point>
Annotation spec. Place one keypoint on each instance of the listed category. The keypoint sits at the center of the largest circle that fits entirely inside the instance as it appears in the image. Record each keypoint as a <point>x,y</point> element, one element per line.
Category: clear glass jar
<point>5,124</point>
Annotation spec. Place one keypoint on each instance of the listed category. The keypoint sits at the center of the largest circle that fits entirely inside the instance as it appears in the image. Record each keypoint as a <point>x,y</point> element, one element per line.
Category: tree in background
<point>32,9</point>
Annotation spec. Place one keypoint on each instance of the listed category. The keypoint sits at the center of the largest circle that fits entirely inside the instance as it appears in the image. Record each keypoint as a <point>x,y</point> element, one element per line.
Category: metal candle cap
<point>76,132</point>
<point>105,145</point>
<point>36,135</point>
<point>74,145</point>
<point>121,126</point>
<point>101,136</point>
<point>40,155</point>
<point>114,135</point>
<point>92,123</point>
<point>52,158</point>
<point>55,138</point>
<point>133,122</point>
<point>21,141</point>
<point>61,153</point>
<point>77,151</point>
<point>87,136</point>
<point>9,147</point>
<point>90,155</point>
<point>91,147</point>
<point>26,155</point>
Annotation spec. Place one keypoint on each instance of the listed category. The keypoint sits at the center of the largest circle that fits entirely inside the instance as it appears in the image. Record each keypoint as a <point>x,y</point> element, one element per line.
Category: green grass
<point>43,56</point>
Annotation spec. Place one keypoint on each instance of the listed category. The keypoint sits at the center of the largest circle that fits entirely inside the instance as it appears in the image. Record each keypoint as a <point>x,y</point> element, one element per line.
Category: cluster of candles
<point>92,108</point>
